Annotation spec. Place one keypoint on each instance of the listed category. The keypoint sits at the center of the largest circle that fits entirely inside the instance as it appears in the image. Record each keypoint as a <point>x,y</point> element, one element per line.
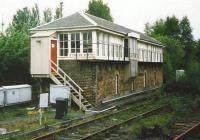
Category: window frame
<point>64,48</point>
<point>87,42</point>
<point>75,42</point>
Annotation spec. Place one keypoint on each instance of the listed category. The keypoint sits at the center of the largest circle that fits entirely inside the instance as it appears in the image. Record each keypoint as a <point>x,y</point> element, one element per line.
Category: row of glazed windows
<point>111,50</point>
<point>71,43</point>
<point>150,56</point>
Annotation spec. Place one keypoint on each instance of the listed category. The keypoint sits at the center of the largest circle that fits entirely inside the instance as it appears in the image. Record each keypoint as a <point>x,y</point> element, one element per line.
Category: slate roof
<point>78,20</point>
<point>118,28</point>
<point>74,20</point>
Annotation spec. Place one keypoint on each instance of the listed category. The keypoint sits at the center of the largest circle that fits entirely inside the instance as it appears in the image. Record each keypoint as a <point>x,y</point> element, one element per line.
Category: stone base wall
<point>84,74</point>
<point>106,79</point>
<point>98,79</point>
<point>154,76</point>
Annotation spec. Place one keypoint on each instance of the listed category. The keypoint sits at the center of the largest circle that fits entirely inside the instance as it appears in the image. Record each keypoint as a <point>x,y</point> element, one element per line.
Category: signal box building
<point>98,59</point>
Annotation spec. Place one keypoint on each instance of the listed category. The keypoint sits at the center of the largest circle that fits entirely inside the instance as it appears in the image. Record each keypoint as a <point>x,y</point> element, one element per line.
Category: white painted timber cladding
<point>149,53</point>
<point>40,55</point>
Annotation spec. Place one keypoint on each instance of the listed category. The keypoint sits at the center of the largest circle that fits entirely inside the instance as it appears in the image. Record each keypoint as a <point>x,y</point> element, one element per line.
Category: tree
<point>14,47</point>
<point>164,27</point>
<point>172,27</point>
<point>197,50</point>
<point>167,31</point>
<point>14,55</point>
<point>22,20</point>
<point>35,16</point>
<point>59,11</point>
<point>99,9</point>
<point>186,38</point>
<point>181,52</point>
<point>47,15</point>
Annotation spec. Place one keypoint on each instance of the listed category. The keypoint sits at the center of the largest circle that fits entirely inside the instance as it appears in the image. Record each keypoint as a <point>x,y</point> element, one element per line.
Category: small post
<point>40,111</point>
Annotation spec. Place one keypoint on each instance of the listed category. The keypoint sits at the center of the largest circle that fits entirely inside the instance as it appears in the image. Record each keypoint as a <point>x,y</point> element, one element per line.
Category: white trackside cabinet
<point>17,94</point>
<point>1,97</point>
<point>60,91</point>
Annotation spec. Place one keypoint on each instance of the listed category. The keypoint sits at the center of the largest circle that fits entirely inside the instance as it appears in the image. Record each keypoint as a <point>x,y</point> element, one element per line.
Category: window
<point>63,44</point>
<point>112,50</point>
<point>87,42</point>
<point>117,51</point>
<point>98,44</point>
<point>125,47</point>
<point>120,50</point>
<point>103,46</point>
<point>75,43</point>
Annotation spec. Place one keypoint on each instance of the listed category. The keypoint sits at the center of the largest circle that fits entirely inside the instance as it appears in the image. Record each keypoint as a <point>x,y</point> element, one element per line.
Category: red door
<point>54,54</point>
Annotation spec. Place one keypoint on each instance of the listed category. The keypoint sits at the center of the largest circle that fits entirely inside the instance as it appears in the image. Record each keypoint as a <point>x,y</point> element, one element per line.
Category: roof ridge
<point>87,18</point>
<point>52,21</point>
<point>110,22</point>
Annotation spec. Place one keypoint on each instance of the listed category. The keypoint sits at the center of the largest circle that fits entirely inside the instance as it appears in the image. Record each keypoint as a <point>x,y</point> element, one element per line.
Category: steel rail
<point>146,114</point>
<point>187,132</point>
<point>84,123</point>
<point>52,134</point>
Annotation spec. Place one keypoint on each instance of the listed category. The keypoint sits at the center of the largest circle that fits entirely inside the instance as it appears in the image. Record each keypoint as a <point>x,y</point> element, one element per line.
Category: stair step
<point>88,105</point>
<point>77,95</point>
<point>64,80</point>
<point>85,102</point>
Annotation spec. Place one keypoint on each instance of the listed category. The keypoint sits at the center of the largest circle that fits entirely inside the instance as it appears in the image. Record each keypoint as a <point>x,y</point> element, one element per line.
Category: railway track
<point>189,131</point>
<point>94,127</point>
<point>49,128</point>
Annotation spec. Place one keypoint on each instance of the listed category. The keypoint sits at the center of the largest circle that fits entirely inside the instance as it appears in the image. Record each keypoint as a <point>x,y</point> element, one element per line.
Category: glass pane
<point>72,50</point>
<point>84,46</point>
<point>66,44</point>
<point>61,44</point>
<point>84,50</point>
<point>84,36</point>
<point>61,37</point>
<point>90,36</point>
<point>72,44</point>
<point>66,52</point>
<point>72,36</point>
<point>61,52</point>
<point>78,50</point>
<point>65,37</point>
<point>77,44</point>
<point>77,36</point>
<point>90,48</point>
<point>84,42</point>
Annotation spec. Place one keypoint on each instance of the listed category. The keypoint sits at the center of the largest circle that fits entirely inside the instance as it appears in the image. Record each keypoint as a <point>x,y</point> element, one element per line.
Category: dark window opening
<point>125,47</point>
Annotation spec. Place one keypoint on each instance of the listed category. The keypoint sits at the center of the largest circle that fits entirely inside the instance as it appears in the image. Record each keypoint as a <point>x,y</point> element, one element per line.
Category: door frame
<point>50,51</point>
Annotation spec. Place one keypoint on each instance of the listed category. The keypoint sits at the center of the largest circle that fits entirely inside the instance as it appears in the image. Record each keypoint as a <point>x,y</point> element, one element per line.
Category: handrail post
<point>79,94</point>
<point>65,80</point>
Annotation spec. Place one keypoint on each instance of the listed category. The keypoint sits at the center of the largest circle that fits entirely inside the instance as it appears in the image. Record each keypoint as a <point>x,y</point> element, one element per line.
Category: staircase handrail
<point>67,76</point>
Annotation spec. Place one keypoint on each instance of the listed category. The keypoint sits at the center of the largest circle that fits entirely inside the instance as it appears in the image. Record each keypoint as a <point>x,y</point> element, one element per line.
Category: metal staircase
<point>61,78</point>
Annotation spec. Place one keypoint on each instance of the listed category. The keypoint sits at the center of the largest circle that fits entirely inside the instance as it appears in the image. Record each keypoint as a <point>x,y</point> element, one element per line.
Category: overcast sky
<point>130,13</point>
